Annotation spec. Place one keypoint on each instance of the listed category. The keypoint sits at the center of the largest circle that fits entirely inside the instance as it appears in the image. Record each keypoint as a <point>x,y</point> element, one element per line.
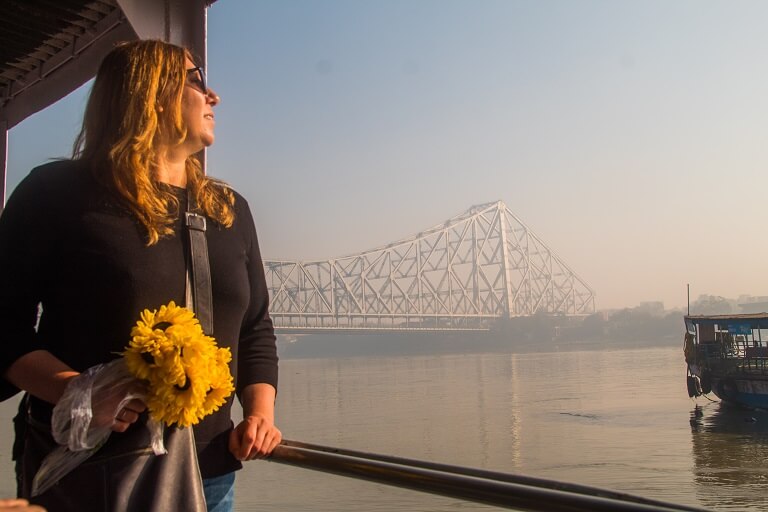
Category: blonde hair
<point>134,104</point>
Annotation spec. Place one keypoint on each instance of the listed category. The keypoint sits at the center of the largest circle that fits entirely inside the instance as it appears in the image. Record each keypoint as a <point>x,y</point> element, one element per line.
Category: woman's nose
<point>212,97</point>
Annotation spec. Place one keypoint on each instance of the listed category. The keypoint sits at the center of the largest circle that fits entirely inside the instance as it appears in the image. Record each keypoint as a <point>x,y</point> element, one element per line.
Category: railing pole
<point>497,489</point>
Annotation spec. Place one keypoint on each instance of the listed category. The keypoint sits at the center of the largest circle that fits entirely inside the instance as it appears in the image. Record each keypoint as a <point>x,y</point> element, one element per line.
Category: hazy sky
<point>629,135</point>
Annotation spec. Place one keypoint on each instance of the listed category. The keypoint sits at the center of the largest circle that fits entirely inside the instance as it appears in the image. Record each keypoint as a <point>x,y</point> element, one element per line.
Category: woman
<point>97,239</point>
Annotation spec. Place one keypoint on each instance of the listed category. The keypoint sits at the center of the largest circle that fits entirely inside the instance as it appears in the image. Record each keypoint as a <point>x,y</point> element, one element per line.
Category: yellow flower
<point>188,374</point>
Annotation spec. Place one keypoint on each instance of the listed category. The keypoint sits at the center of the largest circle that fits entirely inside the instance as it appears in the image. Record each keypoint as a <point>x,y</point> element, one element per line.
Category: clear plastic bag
<point>82,419</point>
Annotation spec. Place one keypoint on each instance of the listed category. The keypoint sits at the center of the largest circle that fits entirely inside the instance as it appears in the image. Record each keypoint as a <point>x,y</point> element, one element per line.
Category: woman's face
<point>197,104</point>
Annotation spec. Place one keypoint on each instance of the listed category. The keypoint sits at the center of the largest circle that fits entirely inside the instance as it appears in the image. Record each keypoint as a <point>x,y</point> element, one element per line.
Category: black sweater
<point>66,243</point>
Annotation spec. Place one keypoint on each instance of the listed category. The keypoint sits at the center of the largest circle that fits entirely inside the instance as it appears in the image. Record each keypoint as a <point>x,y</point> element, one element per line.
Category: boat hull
<point>744,392</point>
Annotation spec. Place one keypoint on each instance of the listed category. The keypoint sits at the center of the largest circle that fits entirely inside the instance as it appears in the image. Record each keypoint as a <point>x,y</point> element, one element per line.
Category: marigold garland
<point>188,374</point>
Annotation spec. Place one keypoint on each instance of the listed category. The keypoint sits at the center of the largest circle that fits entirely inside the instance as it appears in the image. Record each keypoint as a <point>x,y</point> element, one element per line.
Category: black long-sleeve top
<point>67,244</point>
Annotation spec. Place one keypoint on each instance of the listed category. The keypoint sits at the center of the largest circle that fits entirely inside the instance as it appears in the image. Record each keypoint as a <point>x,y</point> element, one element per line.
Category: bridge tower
<point>477,267</point>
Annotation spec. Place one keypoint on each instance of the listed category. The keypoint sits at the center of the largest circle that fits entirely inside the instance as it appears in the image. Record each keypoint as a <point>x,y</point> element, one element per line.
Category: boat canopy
<point>735,324</point>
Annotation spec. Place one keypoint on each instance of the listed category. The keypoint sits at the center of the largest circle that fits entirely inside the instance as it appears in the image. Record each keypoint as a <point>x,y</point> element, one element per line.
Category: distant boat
<point>727,355</point>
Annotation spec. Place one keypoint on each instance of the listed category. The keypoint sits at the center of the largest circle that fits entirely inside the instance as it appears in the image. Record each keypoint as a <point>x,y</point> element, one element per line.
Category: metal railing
<point>510,491</point>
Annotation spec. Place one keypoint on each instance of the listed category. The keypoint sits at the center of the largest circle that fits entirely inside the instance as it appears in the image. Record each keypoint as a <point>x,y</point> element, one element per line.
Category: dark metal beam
<point>4,158</point>
<point>66,71</point>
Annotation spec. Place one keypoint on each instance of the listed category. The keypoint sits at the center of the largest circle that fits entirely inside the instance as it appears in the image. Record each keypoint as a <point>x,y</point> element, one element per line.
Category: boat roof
<point>755,319</point>
<point>40,42</point>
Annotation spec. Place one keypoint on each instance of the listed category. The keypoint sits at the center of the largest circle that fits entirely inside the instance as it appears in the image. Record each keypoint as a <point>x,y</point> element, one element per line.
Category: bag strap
<point>198,290</point>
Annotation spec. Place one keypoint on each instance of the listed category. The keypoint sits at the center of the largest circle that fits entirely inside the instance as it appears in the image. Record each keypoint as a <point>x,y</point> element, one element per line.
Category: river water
<point>616,418</point>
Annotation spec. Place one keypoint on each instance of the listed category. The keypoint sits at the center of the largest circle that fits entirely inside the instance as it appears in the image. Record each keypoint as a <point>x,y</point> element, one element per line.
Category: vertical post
<point>4,156</point>
<point>188,26</point>
<point>475,270</point>
<point>502,212</point>
<point>689,297</point>
<point>420,281</point>
<point>181,22</point>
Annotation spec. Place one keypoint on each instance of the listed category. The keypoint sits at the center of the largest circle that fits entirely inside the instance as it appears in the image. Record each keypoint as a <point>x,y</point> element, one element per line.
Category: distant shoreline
<point>416,344</point>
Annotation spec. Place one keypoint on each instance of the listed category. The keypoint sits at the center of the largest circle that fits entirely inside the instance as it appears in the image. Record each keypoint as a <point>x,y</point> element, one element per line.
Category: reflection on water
<point>616,419</point>
<point>730,454</point>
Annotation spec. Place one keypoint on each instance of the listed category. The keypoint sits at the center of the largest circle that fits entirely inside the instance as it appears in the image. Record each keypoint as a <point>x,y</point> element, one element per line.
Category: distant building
<point>755,307</point>
<point>655,307</point>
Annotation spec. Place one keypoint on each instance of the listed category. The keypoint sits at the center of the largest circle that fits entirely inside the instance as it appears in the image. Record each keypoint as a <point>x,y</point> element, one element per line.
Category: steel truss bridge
<point>466,273</point>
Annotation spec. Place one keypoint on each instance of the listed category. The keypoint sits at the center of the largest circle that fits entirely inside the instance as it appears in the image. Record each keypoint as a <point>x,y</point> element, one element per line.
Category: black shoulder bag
<point>199,296</point>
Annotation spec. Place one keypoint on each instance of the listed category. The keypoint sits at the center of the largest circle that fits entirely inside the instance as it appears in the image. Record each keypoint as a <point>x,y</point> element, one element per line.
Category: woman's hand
<point>116,396</point>
<point>127,415</point>
<point>103,399</point>
<point>19,505</point>
<point>254,438</point>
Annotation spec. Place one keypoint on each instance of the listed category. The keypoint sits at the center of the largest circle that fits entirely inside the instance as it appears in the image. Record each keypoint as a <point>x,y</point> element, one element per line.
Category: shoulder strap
<point>198,295</point>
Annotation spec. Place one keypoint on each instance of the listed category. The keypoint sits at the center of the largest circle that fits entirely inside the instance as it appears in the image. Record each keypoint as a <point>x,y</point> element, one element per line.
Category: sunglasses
<point>196,79</point>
